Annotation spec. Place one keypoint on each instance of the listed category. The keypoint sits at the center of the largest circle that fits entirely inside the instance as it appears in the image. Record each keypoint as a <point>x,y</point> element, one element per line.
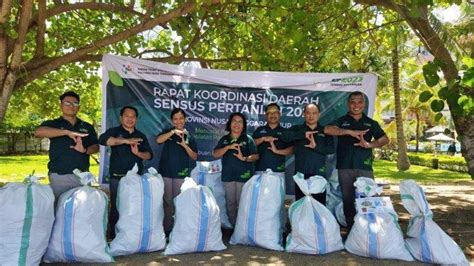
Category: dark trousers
<point>113,213</point>
<point>320,197</point>
<point>347,177</point>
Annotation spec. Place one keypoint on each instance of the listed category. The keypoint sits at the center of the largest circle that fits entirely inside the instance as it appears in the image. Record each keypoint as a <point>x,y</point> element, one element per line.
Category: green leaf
<point>468,77</point>
<point>468,61</point>
<point>437,105</point>
<point>443,93</point>
<point>438,116</point>
<point>430,72</point>
<point>425,96</point>
<point>463,100</point>
<point>115,79</point>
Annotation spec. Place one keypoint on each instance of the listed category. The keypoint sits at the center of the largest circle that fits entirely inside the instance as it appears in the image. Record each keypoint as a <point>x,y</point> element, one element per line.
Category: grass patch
<point>388,170</point>
<point>16,168</point>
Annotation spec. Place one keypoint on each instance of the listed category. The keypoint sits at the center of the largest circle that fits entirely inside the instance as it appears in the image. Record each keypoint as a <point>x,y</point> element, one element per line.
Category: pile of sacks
<point>375,232</point>
<point>29,232</point>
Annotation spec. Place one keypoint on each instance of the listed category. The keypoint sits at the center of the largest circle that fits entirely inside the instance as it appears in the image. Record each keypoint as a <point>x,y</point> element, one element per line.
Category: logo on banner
<point>350,81</point>
<point>126,69</point>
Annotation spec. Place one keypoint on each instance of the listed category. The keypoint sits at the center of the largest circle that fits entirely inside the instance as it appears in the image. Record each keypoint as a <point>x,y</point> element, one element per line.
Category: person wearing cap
<point>272,150</point>
<point>311,146</point>
<point>72,141</point>
<point>176,161</point>
<point>238,153</point>
<point>129,146</point>
<point>357,136</point>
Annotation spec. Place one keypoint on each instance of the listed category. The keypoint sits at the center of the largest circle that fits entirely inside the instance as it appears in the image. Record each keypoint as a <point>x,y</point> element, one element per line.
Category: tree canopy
<point>49,46</point>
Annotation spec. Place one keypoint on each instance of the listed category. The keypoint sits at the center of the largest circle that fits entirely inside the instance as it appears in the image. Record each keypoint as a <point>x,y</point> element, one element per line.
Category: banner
<point>210,96</point>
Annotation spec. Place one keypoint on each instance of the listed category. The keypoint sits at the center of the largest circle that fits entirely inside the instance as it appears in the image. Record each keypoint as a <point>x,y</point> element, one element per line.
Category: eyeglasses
<point>68,103</point>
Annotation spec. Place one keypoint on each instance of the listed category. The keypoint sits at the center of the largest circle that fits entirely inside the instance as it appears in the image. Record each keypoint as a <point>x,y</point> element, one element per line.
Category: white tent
<point>436,129</point>
<point>440,137</point>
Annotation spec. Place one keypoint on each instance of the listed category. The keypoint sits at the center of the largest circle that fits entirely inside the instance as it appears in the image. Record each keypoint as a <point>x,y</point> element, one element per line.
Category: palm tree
<point>403,163</point>
<point>421,112</point>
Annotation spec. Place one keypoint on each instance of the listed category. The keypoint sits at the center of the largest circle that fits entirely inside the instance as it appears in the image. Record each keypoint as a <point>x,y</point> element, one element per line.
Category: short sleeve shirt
<point>308,160</point>
<point>175,161</point>
<point>268,159</point>
<point>355,157</point>
<point>62,158</point>
<point>233,169</point>
<point>121,158</point>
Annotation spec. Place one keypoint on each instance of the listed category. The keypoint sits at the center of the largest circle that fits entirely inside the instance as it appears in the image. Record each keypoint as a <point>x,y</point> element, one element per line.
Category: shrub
<point>429,147</point>
<point>444,162</point>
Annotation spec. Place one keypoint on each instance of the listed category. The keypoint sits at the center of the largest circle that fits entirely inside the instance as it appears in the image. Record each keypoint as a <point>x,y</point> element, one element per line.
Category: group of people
<point>242,155</point>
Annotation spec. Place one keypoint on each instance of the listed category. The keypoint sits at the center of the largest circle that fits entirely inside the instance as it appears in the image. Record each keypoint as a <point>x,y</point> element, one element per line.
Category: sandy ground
<point>453,209</point>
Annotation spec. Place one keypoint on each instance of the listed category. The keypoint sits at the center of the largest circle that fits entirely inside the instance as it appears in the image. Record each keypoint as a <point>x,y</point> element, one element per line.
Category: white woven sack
<point>376,234</point>
<point>197,226</point>
<point>26,220</point>
<point>140,206</point>
<point>426,241</point>
<point>314,230</point>
<point>79,229</point>
<point>259,215</point>
<point>333,193</point>
<point>210,174</point>
<point>339,214</point>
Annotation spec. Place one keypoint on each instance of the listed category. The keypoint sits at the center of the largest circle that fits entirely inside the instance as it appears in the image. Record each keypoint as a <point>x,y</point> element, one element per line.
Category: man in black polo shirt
<point>311,148</point>
<point>357,136</point>
<point>129,147</point>
<point>271,148</point>
<point>72,141</point>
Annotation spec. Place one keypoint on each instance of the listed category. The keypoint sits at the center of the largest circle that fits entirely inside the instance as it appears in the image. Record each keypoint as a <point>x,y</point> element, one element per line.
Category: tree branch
<point>26,10</point>
<point>4,39</point>
<point>76,55</point>
<point>148,8</point>
<point>41,28</point>
<point>177,59</point>
<point>158,50</point>
<point>62,8</point>
<point>5,12</point>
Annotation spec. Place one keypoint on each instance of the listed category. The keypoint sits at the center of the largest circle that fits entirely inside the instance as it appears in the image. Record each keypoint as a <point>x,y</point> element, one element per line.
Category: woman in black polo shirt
<point>238,152</point>
<point>177,159</point>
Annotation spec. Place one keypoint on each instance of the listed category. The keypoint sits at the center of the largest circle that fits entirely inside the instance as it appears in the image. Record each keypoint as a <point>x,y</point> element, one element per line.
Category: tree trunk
<point>465,129</point>
<point>417,134</point>
<point>6,93</point>
<point>403,163</point>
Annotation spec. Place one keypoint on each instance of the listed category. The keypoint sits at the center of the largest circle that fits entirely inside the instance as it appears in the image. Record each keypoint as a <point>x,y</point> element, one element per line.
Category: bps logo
<point>349,81</point>
<point>126,69</point>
